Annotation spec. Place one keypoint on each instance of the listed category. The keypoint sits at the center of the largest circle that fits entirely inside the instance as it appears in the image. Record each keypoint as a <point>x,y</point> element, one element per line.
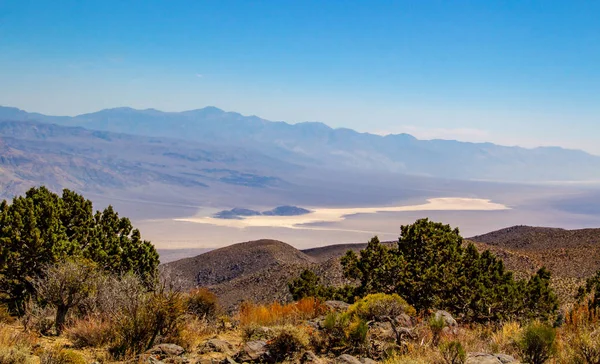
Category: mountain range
<point>308,146</point>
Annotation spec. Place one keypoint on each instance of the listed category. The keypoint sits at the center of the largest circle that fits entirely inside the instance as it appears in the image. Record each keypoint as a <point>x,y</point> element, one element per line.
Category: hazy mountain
<point>316,144</point>
<point>103,162</point>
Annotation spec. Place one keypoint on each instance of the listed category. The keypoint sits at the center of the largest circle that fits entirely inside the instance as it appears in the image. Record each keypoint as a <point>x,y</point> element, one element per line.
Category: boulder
<point>483,358</point>
<point>506,359</point>
<point>405,321</point>
<point>217,346</point>
<point>449,321</point>
<point>382,331</point>
<point>166,350</point>
<point>347,359</point>
<point>367,361</point>
<point>253,351</point>
<point>337,306</point>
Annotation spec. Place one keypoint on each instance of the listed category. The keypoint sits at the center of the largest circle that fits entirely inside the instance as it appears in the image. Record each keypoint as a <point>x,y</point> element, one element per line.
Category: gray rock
<point>405,321</point>
<point>347,359</point>
<point>506,359</point>
<point>483,358</point>
<point>382,331</point>
<point>167,350</point>
<point>447,317</point>
<point>337,306</point>
<point>253,351</point>
<point>310,358</point>
<point>217,346</point>
<point>367,361</point>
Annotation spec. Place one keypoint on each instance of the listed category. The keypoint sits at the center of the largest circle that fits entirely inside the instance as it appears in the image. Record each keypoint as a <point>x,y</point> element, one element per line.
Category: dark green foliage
<point>42,228</point>
<point>590,291</point>
<point>431,268</point>
<point>537,344</point>
<point>453,352</point>
<point>309,285</point>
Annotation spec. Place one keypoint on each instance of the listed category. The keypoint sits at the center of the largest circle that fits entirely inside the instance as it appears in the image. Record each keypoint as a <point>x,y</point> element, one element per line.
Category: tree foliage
<point>432,268</point>
<point>309,285</point>
<point>42,228</point>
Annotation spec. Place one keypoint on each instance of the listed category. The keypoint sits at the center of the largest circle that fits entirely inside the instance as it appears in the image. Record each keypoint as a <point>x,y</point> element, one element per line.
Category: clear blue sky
<point>513,72</point>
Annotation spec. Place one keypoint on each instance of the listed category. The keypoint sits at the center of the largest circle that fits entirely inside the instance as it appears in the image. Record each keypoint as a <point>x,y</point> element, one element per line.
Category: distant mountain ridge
<point>313,143</point>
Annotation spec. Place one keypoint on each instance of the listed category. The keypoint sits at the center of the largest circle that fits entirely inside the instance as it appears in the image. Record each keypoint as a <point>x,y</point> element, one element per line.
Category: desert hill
<point>257,270</point>
<point>567,253</point>
<point>260,270</point>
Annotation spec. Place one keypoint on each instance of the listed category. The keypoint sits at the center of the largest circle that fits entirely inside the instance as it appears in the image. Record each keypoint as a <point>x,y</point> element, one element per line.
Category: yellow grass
<point>278,314</point>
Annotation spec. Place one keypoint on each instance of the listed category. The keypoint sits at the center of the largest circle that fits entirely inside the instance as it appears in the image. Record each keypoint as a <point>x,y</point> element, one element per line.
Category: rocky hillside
<point>257,271</point>
<point>567,253</point>
<point>260,270</point>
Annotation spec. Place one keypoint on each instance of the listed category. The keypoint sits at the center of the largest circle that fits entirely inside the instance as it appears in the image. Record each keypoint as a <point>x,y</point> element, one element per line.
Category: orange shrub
<point>278,314</point>
<point>582,315</point>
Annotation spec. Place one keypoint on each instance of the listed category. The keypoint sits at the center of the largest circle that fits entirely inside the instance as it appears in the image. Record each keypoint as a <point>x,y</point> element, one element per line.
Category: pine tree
<point>42,228</point>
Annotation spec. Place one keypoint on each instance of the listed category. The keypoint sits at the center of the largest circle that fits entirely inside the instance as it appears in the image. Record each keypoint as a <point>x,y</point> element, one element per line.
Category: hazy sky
<point>513,72</point>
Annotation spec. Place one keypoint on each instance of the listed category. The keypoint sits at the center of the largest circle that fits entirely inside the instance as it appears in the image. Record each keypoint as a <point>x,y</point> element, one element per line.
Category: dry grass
<point>278,314</point>
<point>91,332</point>
<point>15,345</point>
<point>193,332</point>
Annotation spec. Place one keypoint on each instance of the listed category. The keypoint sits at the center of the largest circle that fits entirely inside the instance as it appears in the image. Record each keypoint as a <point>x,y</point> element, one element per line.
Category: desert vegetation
<point>82,287</point>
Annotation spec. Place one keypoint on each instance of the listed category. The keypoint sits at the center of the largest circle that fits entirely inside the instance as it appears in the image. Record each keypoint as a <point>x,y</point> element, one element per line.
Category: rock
<point>253,351</point>
<point>167,350</point>
<point>506,359</point>
<point>310,358</point>
<point>405,321</point>
<point>367,361</point>
<point>382,331</point>
<point>347,359</point>
<point>483,358</point>
<point>337,306</point>
<point>217,346</point>
<point>447,317</point>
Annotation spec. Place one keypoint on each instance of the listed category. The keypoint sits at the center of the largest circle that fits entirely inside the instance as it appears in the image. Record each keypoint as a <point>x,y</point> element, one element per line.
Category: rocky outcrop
<point>483,358</point>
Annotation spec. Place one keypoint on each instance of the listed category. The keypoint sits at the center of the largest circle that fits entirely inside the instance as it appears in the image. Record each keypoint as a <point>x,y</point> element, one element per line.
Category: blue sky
<point>511,72</point>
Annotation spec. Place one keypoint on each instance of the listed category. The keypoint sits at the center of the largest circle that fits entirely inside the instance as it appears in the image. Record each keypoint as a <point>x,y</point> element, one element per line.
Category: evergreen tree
<point>42,228</point>
<point>432,268</point>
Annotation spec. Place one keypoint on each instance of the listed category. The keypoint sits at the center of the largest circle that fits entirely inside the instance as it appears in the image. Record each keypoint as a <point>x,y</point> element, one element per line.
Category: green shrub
<point>287,341</point>
<point>335,327</point>
<point>202,303</point>
<point>358,334</point>
<point>453,352</point>
<point>436,325</point>
<point>380,305</point>
<point>537,343</point>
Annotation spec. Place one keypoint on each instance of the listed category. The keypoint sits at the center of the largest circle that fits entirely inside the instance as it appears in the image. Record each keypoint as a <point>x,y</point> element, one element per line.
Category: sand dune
<point>322,215</point>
